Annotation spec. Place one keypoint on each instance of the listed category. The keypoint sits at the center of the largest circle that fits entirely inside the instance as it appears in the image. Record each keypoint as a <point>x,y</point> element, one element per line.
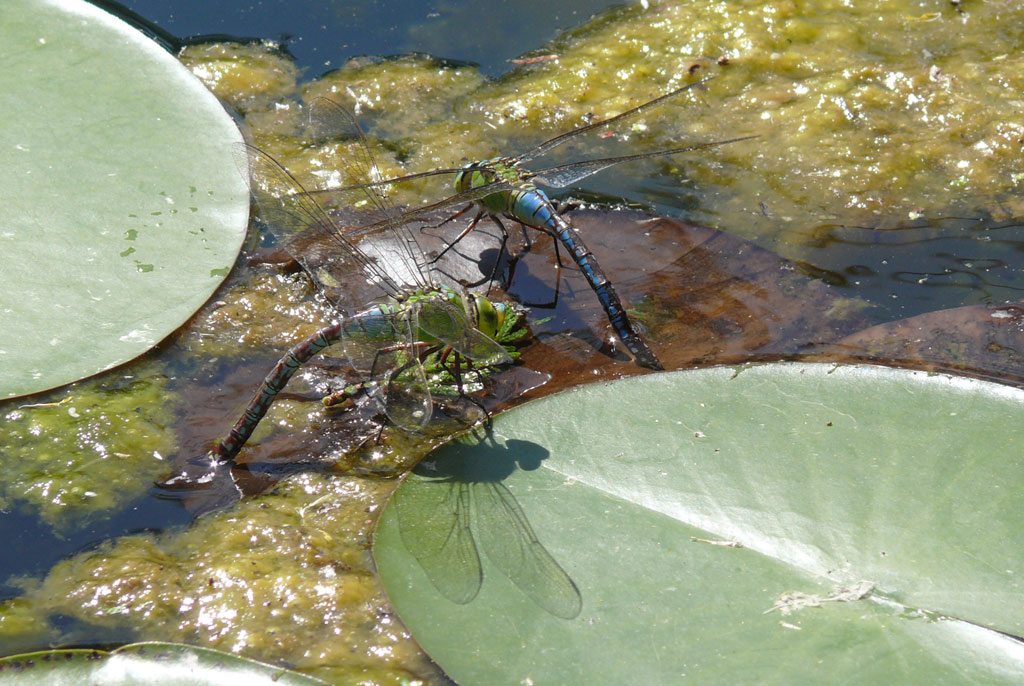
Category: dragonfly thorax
<point>496,170</point>
<point>484,315</point>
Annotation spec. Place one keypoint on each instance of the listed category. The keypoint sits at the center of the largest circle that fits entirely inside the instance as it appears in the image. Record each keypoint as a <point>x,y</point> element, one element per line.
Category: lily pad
<point>122,208</point>
<point>772,524</point>
<point>143,664</point>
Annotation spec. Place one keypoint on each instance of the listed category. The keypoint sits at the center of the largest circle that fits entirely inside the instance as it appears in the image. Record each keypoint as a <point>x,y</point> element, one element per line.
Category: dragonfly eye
<point>487,316</point>
<point>500,311</point>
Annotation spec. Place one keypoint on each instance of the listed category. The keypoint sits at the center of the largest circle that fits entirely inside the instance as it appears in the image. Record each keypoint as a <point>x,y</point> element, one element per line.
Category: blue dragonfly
<point>413,317</point>
<point>502,187</point>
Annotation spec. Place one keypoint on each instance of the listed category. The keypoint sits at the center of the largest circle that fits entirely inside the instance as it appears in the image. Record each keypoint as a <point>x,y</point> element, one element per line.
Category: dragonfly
<point>502,187</point>
<point>454,506</point>
<point>413,318</point>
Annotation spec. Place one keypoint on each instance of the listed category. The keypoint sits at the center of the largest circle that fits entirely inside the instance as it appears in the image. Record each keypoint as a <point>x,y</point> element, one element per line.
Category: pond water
<point>877,216</point>
<point>323,35</point>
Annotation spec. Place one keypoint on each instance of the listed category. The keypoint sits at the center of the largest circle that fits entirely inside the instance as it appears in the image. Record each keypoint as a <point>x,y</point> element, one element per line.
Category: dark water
<point>322,35</point>
<point>31,546</point>
<point>934,265</point>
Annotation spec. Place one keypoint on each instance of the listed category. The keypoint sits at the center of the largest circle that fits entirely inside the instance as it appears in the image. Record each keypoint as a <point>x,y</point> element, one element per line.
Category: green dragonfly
<point>501,187</point>
<point>414,316</point>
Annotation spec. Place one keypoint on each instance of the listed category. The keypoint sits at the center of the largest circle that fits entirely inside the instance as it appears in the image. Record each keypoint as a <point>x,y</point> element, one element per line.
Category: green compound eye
<point>489,317</point>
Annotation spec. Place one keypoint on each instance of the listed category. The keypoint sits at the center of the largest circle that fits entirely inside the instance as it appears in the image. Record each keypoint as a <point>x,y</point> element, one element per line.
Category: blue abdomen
<point>532,207</point>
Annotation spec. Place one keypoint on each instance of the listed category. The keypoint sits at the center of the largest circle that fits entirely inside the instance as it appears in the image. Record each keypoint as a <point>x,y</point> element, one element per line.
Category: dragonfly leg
<point>487,415</point>
<point>453,217</point>
<point>510,274</point>
<point>554,301</point>
<point>558,255</point>
<point>458,238</point>
<point>455,370</point>
<point>502,251</point>
<point>527,242</point>
<point>554,241</point>
<point>398,372</point>
<point>391,349</point>
<point>567,205</point>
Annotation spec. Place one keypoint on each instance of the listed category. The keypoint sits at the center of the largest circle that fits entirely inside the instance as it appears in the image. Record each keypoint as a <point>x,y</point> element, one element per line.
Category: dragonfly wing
<point>507,538</point>
<point>330,120</point>
<point>362,337</point>
<point>409,404</point>
<point>434,525</point>
<point>291,213</point>
<point>379,344</point>
<point>440,319</point>
<point>464,198</point>
<point>568,174</point>
<point>552,143</point>
<point>343,190</point>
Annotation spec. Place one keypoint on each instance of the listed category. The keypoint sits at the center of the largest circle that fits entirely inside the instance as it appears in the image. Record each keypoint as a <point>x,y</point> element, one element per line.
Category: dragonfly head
<point>489,317</point>
<point>477,174</point>
<point>472,176</point>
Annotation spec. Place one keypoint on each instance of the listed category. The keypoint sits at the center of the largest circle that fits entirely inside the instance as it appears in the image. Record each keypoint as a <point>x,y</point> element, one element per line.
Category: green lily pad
<point>776,524</point>
<point>122,208</point>
<point>143,664</point>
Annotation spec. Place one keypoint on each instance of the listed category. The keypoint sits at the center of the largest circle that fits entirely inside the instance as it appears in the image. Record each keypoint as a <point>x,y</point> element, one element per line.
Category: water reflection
<point>455,504</point>
<point>930,265</point>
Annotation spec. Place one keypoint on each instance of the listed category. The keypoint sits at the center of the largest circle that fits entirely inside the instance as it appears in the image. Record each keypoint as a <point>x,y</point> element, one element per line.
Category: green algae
<point>145,663</point>
<point>427,88</point>
<point>22,626</point>
<point>866,112</point>
<point>246,76</point>
<point>874,114</point>
<point>286,576</point>
<point>268,309</point>
<point>85,450</point>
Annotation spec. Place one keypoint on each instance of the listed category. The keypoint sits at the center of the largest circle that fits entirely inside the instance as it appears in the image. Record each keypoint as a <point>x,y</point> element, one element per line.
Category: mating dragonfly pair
<point>418,314</point>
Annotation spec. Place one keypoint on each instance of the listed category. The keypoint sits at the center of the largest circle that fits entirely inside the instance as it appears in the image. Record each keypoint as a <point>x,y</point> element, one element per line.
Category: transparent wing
<point>568,174</point>
<point>434,525</point>
<point>332,119</point>
<point>386,182</point>
<point>329,120</point>
<point>364,335</point>
<point>409,404</point>
<point>507,538</point>
<point>453,201</point>
<point>440,319</point>
<point>291,212</point>
<point>379,344</point>
<point>552,143</point>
